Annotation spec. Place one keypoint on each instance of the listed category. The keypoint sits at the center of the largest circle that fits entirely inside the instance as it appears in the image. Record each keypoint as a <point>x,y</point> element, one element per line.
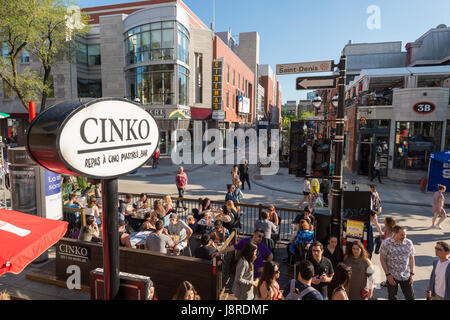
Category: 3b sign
<point>424,107</point>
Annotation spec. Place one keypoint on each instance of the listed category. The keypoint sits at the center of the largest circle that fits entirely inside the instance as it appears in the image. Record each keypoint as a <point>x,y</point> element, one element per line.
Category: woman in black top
<point>333,251</point>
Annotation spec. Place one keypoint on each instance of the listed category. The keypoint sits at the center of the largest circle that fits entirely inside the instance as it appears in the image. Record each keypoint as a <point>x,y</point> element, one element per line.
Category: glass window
<point>414,141</point>
<point>93,54</point>
<point>156,44</point>
<point>25,56</point>
<point>182,47</point>
<point>156,25</point>
<point>89,88</point>
<point>81,53</point>
<point>151,84</point>
<point>5,50</point>
<point>234,76</point>
<point>228,73</point>
<point>182,86</point>
<point>167,24</point>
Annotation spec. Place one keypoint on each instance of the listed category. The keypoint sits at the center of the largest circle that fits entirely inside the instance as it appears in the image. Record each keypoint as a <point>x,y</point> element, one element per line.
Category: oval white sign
<point>107,138</point>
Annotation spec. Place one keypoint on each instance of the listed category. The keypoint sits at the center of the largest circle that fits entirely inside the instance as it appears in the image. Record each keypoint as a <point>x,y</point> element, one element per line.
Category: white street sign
<point>218,115</point>
<point>305,67</point>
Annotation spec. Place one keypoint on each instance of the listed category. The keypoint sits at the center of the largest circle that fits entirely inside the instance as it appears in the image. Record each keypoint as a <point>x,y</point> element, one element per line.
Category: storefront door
<point>163,142</point>
<point>365,158</point>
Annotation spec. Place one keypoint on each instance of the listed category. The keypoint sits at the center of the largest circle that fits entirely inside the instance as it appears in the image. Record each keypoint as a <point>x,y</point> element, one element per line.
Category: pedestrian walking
<point>439,286</point>
<point>361,284</point>
<point>244,174</point>
<point>375,211</point>
<point>306,191</point>
<point>438,207</point>
<point>376,170</point>
<point>325,189</point>
<point>397,261</point>
<point>181,181</point>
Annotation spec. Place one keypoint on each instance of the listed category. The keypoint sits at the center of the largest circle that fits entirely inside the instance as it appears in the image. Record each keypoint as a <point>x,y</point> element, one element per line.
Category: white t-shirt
<point>439,282</point>
<point>306,186</point>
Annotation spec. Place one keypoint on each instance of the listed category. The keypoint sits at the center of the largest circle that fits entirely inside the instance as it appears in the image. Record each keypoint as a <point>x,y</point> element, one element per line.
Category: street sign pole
<point>336,192</point>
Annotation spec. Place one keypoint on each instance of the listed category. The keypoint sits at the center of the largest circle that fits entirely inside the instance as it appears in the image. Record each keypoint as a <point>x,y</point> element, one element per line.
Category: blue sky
<point>302,30</point>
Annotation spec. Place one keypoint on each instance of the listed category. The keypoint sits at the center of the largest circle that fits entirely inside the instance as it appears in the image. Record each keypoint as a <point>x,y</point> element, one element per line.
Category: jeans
<point>407,289</point>
<point>180,195</point>
<point>370,243</point>
<point>377,244</point>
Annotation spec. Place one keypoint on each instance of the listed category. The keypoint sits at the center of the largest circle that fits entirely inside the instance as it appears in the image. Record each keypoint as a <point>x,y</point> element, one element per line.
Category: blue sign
<point>52,183</point>
<point>439,171</point>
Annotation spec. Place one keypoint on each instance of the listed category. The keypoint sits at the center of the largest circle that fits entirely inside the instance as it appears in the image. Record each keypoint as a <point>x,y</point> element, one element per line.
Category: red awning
<point>24,237</point>
<point>200,113</point>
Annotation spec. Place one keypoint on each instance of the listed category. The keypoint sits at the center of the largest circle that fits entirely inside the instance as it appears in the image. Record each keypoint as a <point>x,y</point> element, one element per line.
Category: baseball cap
<point>173,216</point>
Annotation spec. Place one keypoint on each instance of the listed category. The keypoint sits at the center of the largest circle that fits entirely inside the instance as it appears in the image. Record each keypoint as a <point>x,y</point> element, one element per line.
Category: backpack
<point>293,295</point>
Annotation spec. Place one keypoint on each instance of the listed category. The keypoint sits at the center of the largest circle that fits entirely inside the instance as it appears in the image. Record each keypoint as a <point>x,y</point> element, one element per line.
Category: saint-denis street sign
<point>305,67</point>
<point>308,83</point>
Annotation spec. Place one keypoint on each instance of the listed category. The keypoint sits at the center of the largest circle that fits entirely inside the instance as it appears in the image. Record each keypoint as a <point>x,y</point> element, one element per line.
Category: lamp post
<point>336,191</point>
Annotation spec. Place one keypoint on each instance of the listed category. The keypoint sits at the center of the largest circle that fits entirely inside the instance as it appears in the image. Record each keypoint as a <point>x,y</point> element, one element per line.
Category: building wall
<point>221,50</point>
<point>112,55</point>
<point>201,42</point>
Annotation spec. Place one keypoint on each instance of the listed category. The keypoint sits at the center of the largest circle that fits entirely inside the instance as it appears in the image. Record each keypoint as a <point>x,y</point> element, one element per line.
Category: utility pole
<point>336,191</point>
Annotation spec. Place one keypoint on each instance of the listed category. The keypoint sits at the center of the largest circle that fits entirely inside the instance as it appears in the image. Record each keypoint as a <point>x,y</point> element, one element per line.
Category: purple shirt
<point>262,253</point>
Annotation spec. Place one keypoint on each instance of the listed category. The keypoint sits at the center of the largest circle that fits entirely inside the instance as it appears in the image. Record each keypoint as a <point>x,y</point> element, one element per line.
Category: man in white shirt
<point>439,286</point>
<point>376,173</point>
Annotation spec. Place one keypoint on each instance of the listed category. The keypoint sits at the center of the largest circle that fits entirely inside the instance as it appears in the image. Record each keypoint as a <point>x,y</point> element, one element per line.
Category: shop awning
<point>24,237</point>
<point>201,113</point>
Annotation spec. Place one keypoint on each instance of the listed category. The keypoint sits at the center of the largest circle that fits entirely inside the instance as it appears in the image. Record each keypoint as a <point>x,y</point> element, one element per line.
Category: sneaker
<point>433,227</point>
<point>438,227</point>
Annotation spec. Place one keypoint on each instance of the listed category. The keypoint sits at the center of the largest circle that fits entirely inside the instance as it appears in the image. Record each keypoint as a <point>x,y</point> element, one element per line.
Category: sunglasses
<point>438,249</point>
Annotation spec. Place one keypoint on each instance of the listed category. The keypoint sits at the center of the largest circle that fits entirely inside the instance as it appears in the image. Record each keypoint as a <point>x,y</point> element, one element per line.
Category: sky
<point>302,30</point>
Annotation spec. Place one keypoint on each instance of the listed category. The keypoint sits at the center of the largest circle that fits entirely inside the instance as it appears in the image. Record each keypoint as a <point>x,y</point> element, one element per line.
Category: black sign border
<point>63,124</point>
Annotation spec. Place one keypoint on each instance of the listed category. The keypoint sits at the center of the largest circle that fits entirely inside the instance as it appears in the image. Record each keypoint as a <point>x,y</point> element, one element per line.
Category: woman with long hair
<point>230,210</point>
<point>168,205</point>
<point>92,210</point>
<point>339,285</point>
<point>243,280</point>
<point>389,224</point>
<point>268,287</point>
<point>159,209</point>
<point>273,215</point>
<point>149,222</point>
<point>186,291</point>
<point>361,283</point>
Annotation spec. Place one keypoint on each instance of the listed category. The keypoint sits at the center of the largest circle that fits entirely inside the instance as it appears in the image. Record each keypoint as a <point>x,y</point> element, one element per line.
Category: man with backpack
<point>301,289</point>
<point>181,181</point>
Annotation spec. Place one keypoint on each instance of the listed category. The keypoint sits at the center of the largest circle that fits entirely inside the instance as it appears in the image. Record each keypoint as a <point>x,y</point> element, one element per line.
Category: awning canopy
<point>24,237</point>
<point>441,156</point>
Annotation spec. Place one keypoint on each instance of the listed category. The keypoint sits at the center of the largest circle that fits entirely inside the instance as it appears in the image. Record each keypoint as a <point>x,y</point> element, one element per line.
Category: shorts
<point>306,193</point>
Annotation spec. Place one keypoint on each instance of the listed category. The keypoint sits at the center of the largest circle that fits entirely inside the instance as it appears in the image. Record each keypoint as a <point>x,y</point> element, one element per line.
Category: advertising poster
<point>53,196</point>
<point>355,229</point>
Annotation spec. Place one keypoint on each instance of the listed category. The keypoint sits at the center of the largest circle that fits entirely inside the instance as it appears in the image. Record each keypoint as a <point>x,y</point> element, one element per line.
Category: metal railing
<point>249,213</point>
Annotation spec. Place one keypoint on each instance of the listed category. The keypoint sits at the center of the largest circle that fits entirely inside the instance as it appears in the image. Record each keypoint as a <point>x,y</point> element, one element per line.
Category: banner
<point>439,173</point>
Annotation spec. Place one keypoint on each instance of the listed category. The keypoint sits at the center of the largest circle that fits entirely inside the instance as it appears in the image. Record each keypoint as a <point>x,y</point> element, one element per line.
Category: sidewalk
<point>392,192</point>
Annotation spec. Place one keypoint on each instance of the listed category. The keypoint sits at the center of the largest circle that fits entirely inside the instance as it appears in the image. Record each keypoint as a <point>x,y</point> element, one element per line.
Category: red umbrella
<point>24,237</point>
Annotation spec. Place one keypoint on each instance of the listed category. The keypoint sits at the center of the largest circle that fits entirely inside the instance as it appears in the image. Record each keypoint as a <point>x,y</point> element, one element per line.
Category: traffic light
<point>298,149</point>
<point>320,158</point>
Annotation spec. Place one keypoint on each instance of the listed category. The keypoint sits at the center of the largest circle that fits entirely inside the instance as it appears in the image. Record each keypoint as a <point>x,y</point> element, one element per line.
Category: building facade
<point>400,115</point>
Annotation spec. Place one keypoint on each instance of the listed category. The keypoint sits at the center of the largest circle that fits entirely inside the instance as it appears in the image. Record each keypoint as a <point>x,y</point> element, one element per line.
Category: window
<point>150,42</point>
<point>81,53</point>
<point>234,76</point>
<point>89,88</point>
<point>239,81</point>
<point>228,99</point>
<point>93,54</point>
<point>228,73</point>
<point>414,141</point>
<point>183,41</point>
<point>233,101</point>
<point>182,86</point>
<point>151,84</point>
<point>198,78</point>
<point>25,56</point>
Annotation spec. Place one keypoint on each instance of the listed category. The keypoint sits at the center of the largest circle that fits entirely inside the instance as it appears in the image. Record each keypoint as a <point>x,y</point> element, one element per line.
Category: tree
<point>45,29</point>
